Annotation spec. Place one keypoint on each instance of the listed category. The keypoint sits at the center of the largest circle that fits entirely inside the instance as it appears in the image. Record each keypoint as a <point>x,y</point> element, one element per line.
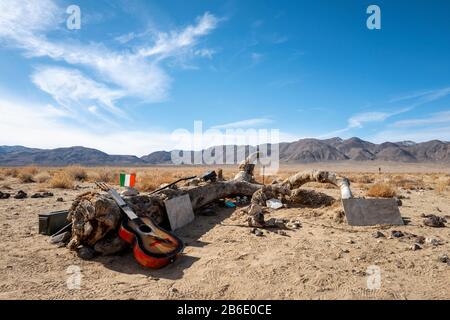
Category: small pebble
<point>258,233</point>
<point>397,234</point>
<point>415,247</point>
<point>379,234</point>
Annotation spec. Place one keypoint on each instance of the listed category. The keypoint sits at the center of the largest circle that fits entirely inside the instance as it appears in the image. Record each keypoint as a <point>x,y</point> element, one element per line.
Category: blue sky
<point>138,70</point>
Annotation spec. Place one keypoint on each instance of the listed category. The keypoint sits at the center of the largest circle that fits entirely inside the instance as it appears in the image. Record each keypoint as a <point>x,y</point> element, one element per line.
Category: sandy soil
<point>324,259</point>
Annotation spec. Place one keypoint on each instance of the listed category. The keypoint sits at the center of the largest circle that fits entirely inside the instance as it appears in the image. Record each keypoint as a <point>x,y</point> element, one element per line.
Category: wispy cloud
<point>69,87</point>
<point>433,119</point>
<point>25,26</point>
<point>422,97</point>
<point>249,123</point>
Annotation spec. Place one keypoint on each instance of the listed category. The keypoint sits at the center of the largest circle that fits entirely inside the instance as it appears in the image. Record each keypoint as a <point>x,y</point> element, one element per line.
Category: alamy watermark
<point>229,146</point>
<point>374,20</point>
<point>73,22</point>
<point>73,281</point>
<point>374,277</point>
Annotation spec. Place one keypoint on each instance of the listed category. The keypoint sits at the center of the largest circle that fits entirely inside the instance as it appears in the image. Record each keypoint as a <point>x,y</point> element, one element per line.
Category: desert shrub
<point>77,173</point>
<point>362,179</point>
<point>12,172</point>
<point>149,181</point>
<point>42,177</point>
<point>442,185</point>
<point>104,175</point>
<point>26,177</point>
<point>407,183</point>
<point>382,190</point>
<point>26,174</point>
<point>63,180</point>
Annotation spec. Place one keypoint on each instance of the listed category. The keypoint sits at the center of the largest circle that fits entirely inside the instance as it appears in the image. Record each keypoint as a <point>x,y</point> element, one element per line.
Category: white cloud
<point>434,119</point>
<point>358,120</point>
<point>169,44</point>
<point>417,135</point>
<point>249,123</point>
<point>423,96</point>
<point>39,126</point>
<point>137,73</point>
<point>69,87</point>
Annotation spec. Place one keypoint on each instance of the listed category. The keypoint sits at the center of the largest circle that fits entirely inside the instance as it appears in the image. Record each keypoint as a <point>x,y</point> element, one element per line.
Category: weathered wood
<point>96,217</point>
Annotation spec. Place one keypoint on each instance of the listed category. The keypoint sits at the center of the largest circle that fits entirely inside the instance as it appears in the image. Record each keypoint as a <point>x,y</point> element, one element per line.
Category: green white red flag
<point>127,180</point>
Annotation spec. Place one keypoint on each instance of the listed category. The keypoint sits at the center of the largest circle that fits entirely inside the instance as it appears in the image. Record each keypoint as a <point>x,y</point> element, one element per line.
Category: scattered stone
<point>129,192</point>
<point>276,223</point>
<point>415,247</point>
<point>434,221</point>
<point>295,225</point>
<point>258,233</point>
<point>4,195</point>
<point>399,202</point>
<point>433,242</point>
<point>281,232</point>
<point>173,290</point>
<point>60,199</point>
<point>253,230</point>
<point>339,216</point>
<point>420,240</point>
<point>350,241</point>
<point>42,195</point>
<point>62,237</point>
<point>444,258</point>
<point>86,253</point>
<point>397,234</point>
<point>20,195</point>
<point>379,234</point>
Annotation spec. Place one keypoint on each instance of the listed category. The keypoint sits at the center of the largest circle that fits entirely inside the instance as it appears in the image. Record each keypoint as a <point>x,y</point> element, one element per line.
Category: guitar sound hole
<point>145,229</point>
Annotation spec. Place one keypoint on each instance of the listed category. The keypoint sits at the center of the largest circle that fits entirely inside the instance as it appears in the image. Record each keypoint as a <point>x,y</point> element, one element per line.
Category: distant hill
<point>301,151</point>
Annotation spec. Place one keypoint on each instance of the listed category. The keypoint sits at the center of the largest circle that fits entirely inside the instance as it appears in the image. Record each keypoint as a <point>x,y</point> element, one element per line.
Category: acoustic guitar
<point>153,246</point>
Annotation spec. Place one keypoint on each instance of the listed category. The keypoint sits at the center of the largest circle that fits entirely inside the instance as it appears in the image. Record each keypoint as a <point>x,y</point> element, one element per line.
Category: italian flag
<point>127,180</point>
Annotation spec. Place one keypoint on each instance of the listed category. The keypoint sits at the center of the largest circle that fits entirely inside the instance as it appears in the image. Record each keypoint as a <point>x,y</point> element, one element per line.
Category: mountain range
<point>301,151</point>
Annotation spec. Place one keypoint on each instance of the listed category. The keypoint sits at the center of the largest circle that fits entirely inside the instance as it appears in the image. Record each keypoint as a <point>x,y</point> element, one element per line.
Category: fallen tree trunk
<point>96,217</point>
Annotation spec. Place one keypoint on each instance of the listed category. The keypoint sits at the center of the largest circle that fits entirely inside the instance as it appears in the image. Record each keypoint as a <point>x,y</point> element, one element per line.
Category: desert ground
<point>323,259</point>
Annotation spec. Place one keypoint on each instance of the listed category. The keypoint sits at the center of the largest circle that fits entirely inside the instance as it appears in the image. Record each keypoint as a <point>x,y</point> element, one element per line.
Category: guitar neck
<point>122,204</point>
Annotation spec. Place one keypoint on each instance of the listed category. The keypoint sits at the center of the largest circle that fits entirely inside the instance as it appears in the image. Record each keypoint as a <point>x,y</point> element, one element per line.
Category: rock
<point>20,195</point>
<point>42,195</point>
<point>397,234</point>
<point>60,199</point>
<point>4,195</point>
<point>36,195</point>
<point>273,222</point>
<point>173,290</point>
<point>444,258</point>
<point>433,242</point>
<point>281,232</point>
<point>415,247</point>
<point>434,221</point>
<point>129,192</point>
<point>339,216</point>
<point>258,233</point>
<point>420,240</point>
<point>379,234</point>
<point>399,202</point>
<point>86,253</point>
<point>62,237</point>
<point>108,246</point>
<point>295,225</point>
<point>350,241</point>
